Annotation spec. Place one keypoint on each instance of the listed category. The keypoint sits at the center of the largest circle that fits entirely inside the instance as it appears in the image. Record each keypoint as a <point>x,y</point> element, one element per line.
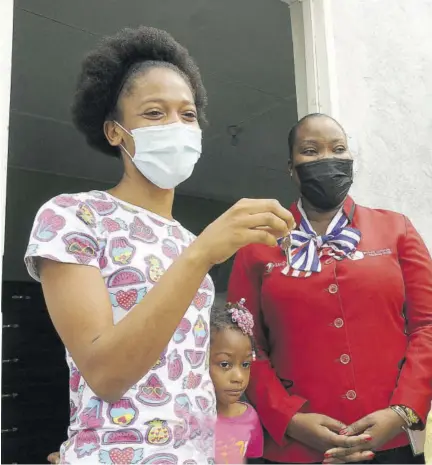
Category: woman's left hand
<point>382,426</point>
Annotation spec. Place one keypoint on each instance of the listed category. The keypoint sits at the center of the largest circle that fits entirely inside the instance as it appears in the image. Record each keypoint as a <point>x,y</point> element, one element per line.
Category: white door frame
<point>314,57</point>
<point>6,37</point>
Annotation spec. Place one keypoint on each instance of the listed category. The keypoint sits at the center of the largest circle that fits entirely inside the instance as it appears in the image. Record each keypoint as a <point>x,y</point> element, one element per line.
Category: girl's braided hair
<point>233,316</point>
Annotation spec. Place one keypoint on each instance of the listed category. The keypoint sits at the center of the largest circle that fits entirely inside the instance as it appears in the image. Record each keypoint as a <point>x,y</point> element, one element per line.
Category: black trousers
<point>401,455</point>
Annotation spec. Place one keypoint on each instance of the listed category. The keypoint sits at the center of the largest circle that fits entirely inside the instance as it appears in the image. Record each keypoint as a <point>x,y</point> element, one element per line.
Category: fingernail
<point>371,455</point>
<point>343,431</point>
<point>369,439</point>
<point>327,456</point>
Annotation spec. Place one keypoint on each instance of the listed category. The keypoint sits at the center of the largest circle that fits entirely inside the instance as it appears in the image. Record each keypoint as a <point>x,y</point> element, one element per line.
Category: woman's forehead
<point>162,81</point>
<point>320,128</point>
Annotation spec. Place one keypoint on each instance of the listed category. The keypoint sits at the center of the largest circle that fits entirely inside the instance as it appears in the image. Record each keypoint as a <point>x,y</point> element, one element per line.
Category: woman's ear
<point>290,167</point>
<point>113,133</point>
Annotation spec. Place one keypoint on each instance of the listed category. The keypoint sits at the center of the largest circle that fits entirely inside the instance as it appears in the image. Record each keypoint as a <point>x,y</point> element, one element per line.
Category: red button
<point>345,359</point>
<point>338,323</point>
<point>333,288</point>
<point>328,261</point>
<point>351,395</point>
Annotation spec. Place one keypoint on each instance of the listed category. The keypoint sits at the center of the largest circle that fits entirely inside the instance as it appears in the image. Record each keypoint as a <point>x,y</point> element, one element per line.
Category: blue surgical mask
<point>166,154</point>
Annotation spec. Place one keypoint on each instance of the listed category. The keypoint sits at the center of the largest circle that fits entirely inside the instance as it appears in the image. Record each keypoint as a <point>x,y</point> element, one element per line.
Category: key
<point>285,246</point>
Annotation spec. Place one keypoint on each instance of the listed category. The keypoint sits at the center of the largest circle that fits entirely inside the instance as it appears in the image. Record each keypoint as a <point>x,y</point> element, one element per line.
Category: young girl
<point>238,430</point>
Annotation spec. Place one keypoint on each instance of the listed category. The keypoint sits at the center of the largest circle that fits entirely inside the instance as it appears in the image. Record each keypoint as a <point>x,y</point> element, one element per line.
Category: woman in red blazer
<point>343,315</point>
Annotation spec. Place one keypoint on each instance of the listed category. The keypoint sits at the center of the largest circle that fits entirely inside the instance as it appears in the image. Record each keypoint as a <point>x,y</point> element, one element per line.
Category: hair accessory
<point>241,316</point>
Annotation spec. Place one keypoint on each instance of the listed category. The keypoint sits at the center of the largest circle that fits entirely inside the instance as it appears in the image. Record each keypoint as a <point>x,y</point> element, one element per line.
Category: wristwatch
<point>408,415</point>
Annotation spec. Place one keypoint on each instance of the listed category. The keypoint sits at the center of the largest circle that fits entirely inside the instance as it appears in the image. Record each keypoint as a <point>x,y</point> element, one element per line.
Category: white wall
<point>384,72</point>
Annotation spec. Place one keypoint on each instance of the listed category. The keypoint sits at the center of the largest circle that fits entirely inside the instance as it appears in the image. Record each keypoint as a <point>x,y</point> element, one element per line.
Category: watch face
<point>412,417</point>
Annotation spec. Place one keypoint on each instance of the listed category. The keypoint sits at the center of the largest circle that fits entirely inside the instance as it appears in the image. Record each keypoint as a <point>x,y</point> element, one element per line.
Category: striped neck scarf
<point>307,247</point>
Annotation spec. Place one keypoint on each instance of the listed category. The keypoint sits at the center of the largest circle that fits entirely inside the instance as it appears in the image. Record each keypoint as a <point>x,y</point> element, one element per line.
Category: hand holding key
<point>249,221</point>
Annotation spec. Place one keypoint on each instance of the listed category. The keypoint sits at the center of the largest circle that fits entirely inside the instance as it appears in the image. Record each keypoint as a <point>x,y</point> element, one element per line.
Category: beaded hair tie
<point>241,316</point>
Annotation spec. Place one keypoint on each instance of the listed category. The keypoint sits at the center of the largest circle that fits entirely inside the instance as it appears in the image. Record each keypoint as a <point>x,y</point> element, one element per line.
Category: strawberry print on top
<point>175,365</point>
<point>155,422</point>
<point>202,300</point>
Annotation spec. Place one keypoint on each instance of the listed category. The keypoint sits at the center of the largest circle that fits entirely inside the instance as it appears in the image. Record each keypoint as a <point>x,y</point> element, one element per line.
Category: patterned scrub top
<point>168,417</point>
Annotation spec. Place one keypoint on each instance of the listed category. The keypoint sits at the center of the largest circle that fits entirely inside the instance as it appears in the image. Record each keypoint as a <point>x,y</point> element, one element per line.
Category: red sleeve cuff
<point>282,417</point>
<point>421,405</point>
<point>273,403</point>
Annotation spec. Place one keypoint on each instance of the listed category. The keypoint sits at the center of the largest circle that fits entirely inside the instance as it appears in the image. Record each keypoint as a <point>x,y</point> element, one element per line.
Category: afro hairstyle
<point>117,59</point>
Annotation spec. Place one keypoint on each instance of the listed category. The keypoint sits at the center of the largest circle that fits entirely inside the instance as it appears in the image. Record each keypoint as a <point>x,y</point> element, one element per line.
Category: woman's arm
<point>414,387</point>
<point>274,405</point>
<point>111,357</point>
<point>278,411</point>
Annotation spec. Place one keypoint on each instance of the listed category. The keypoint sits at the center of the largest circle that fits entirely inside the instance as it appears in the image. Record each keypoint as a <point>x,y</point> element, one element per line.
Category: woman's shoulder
<point>88,212</point>
<point>380,216</point>
<point>65,230</point>
<point>64,204</point>
<point>100,201</point>
<point>379,212</point>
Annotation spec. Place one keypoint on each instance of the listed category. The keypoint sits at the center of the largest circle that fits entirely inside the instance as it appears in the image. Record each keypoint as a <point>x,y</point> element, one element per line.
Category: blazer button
<point>338,323</point>
<point>333,288</point>
<point>351,395</point>
<point>345,359</point>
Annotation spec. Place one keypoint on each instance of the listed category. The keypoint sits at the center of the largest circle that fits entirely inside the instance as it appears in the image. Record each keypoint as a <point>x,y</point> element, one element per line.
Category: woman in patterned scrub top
<point>126,289</point>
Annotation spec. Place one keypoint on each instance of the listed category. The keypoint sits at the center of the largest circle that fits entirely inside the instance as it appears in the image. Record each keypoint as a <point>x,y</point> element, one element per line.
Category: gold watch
<point>412,416</point>
<point>408,415</point>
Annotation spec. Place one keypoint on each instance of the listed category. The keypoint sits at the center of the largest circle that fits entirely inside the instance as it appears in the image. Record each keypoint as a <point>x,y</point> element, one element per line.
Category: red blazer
<point>345,342</point>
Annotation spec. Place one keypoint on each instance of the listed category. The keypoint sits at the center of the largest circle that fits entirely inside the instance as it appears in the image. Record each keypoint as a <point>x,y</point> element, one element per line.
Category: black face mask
<point>325,183</point>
